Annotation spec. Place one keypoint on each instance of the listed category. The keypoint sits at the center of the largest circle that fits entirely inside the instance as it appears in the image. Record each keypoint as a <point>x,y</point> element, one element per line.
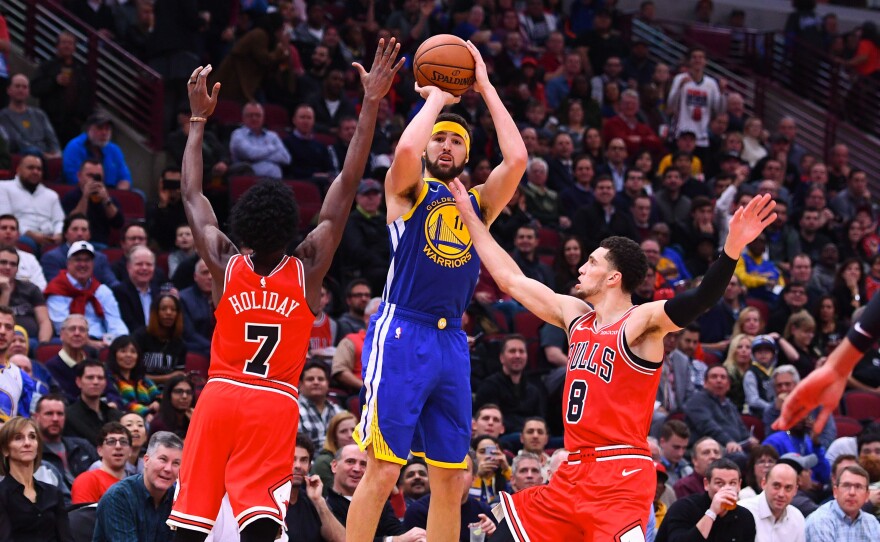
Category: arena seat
<point>847,427</point>
<point>755,424</point>
<point>45,352</point>
<point>861,405</point>
<point>114,254</point>
<point>308,198</point>
<point>133,206</point>
<point>52,169</point>
<point>227,112</point>
<point>527,324</point>
<point>239,184</point>
<point>61,188</point>
<point>548,240</point>
<point>762,307</point>
<point>353,405</point>
<point>276,117</point>
<point>162,262</point>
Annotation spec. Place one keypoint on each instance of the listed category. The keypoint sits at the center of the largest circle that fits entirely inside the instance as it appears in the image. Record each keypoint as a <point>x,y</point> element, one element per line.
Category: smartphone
<point>169,184</point>
<point>491,450</point>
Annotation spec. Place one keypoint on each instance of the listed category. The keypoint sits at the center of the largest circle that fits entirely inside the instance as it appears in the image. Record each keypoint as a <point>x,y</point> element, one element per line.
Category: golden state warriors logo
<point>448,240</point>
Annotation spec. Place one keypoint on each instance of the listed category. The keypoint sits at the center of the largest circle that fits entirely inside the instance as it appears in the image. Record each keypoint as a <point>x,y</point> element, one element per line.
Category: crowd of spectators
<point>109,314</point>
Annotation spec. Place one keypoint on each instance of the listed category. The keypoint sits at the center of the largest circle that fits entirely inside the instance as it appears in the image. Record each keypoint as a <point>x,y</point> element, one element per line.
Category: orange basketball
<point>444,61</point>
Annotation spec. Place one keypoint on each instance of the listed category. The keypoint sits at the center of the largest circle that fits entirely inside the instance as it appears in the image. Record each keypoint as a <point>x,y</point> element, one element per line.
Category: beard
<point>444,173</point>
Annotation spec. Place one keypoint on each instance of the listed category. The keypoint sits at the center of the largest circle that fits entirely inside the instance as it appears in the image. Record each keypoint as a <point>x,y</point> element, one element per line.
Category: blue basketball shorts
<point>417,395</point>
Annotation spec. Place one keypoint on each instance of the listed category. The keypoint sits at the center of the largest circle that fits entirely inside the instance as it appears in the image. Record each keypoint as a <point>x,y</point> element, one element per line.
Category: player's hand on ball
<point>377,82</point>
<point>201,103</point>
<point>481,74</point>
<point>426,91</point>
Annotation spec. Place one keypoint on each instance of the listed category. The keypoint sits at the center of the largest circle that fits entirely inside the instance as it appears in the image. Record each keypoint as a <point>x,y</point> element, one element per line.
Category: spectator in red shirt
<point>625,125</point>
<point>114,446</point>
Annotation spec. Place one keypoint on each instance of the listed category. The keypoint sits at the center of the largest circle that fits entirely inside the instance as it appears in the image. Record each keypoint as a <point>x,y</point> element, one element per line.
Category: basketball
<point>444,61</point>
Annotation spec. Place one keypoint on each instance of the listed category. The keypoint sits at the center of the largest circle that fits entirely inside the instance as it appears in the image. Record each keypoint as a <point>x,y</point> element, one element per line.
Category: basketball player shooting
<point>604,490</point>
<point>825,385</point>
<point>416,364</point>
<point>243,431</point>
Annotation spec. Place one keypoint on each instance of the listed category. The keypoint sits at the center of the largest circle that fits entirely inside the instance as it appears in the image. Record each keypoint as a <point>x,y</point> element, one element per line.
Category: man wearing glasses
<point>842,519</point>
<point>114,447</point>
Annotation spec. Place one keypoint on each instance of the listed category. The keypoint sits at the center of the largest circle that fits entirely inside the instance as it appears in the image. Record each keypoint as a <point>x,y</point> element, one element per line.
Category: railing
<point>808,86</point>
<point>122,84</point>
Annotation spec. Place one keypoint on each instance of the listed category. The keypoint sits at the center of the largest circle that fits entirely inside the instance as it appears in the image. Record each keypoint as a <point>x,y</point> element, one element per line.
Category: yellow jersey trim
<point>422,194</point>
<point>441,464</point>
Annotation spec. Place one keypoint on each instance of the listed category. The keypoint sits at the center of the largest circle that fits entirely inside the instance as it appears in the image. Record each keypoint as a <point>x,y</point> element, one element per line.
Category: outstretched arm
<point>212,244</point>
<point>825,385</point>
<point>317,250</point>
<point>662,317</point>
<point>504,179</point>
<point>547,305</point>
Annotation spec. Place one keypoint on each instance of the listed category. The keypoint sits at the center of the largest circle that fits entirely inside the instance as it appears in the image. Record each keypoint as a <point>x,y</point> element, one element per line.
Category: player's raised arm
<point>662,317</point>
<point>546,304</point>
<point>212,245</point>
<point>504,179</point>
<point>825,385</point>
<point>317,249</point>
<point>405,172</point>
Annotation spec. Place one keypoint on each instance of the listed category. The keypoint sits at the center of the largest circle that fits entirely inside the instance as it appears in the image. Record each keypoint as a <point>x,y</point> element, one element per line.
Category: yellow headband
<point>455,128</point>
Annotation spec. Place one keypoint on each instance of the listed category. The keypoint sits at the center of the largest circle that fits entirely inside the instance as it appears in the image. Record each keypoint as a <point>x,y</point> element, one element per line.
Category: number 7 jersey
<point>609,391</point>
<point>263,326</point>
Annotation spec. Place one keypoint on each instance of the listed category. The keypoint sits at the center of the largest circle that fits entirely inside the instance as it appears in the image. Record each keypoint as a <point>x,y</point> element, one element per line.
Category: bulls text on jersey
<point>585,356</point>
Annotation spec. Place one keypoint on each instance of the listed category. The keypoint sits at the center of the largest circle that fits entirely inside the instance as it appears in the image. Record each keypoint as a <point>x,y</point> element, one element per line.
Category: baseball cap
<point>369,185</point>
<point>763,341</point>
<point>529,60</point>
<point>731,155</point>
<point>98,119</point>
<point>661,471</point>
<point>80,246</point>
<point>684,133</point>
<point>799,462</point>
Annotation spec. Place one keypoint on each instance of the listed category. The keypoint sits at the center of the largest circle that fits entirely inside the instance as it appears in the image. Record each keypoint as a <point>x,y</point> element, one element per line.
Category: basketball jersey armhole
<point>301,274</point>
<point>421,197</point>
<point>637,360</point>
<point>578,319</point>
<point>228,274</point>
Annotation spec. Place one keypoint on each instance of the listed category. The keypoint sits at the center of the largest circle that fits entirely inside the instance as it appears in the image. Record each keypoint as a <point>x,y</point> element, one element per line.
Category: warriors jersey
<point>263,324</point>
<point>610,391</point>
<point>434,266</point>
<point>17,392</point>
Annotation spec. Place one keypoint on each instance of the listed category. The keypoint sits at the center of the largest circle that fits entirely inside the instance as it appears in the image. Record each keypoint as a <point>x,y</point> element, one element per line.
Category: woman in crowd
<point>849,288</point>
<point>644,162</point>
<point>176,407</point>
<point>753,141</point>
<point>761,460</point>
<point>872,280</point>
<point>493,472</point>
<point>339,432</point>
<point>572,121</point>
<point>749,322</point>
<point>568,260</point>
<point>830,330</point>
<point>126,374</point>
<point>134,422</point>
<point>594,146</point>
<point>610,99</point>
<point>796,344</point>
<point>34,510</point>
<point>739,359</point>
<point>161,342</point>
<point>850,241</point>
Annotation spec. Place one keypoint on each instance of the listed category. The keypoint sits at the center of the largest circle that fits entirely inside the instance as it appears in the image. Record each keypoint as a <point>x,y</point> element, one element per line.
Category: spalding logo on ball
<point>444,61</point>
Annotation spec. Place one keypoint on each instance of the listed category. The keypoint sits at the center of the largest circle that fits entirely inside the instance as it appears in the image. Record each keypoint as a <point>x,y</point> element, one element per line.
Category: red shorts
<point>588,500</point>
<point>241,441</point>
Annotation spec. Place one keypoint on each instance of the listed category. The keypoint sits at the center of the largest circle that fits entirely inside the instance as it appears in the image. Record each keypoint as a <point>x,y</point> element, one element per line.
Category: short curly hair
<point>626,256</point>
<point>265,217</point>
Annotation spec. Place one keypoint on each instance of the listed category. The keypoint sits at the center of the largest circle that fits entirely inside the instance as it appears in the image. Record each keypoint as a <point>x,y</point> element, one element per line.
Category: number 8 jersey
<point>263,325</point>
<point>609,391</point>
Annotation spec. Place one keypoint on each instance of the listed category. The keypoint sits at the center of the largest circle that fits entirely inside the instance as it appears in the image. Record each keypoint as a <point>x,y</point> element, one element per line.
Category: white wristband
<point>711,515</point>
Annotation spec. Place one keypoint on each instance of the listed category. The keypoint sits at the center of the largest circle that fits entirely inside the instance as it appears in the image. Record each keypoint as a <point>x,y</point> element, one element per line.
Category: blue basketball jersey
<point>434,266</point>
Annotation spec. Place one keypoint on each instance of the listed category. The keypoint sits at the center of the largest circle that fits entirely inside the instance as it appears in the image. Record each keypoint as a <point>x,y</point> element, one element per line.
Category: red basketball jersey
<point>322,333</point>
<point>263,325</point>
<point>609,391</point>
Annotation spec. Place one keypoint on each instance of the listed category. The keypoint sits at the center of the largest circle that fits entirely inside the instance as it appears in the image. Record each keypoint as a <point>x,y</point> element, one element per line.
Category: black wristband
<point>686,307</point>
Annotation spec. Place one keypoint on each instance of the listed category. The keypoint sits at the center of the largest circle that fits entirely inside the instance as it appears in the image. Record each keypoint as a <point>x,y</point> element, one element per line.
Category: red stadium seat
<point>761,306</point>
<point>45,352</point>
<point>61,188</point>
<point>52,170</point>
<point>847,427</point>
<point>546,259</point>
<point>353,405</point>
<point>548,240</point>
<point>162,262</point>
<point>527,324</point>
<point>238,185</point>
<point>861,405</point>
<point>276,117</point>
<point>227,112</point>
<point>308,198</point>
<point>113,254</point>
<point>196,367</point>
<point>134,207</point>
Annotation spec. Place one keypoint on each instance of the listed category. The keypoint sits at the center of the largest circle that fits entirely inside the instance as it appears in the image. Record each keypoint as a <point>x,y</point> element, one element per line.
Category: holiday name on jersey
<point>269,301</point>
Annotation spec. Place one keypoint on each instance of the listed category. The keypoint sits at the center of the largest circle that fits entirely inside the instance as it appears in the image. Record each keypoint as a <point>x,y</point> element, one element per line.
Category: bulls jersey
<point>323,332</point>
<point>434,266</point>
<point>263,324</point>
<point>610,391</point>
